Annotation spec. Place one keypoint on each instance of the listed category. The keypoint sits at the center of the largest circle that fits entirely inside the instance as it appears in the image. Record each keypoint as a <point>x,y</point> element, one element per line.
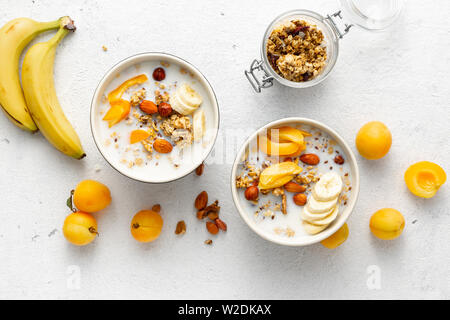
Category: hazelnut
<point>251,193</point>
<point>159,74</point>
<point>164,109</point>
<point>339,159</point>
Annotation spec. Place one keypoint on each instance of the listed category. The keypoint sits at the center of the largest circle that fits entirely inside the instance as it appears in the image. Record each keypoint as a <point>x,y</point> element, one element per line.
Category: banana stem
<point>65,26</point>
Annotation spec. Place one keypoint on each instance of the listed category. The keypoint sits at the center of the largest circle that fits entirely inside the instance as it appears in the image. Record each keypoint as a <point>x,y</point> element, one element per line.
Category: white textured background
<point>400,77</point>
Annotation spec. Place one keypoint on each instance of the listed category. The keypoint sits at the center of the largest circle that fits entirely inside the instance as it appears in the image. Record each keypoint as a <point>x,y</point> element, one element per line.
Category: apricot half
<point>287,134</point>
<point>425,178</point>
<point>284,141</point>
<point>337,238</point>
<point>276,148</point>
<point>373,140</point>
<point>277,175</point>
<point>387,224</point>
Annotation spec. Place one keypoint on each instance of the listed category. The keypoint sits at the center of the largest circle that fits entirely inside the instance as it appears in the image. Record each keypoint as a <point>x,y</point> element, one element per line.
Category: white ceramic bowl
<point>145,63</point>
<point>304,239</point>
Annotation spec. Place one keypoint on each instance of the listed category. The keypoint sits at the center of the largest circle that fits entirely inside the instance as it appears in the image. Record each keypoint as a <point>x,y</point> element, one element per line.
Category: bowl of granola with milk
<point>154,117</point>
<point>295,181</point>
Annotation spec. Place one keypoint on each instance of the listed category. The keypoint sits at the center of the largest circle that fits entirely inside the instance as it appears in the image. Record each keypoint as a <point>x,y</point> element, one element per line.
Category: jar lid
<point>372,14</point>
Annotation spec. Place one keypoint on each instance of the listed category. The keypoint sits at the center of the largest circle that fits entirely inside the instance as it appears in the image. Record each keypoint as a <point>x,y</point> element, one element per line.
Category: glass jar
<point>368,14</point>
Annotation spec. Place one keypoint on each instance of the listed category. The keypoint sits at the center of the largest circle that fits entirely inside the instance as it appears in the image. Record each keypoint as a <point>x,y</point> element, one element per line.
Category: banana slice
<point>180,106</point>
<point>328,187</point>
<point>189,96</point>
<point>315,206</point>
<point>309,216</point>
<point>312,228</point>
<point>198,123</point>
<point>329,219</point>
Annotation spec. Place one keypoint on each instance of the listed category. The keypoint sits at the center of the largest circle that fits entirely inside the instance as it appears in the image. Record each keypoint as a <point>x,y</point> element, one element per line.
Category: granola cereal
<point>296,51</point>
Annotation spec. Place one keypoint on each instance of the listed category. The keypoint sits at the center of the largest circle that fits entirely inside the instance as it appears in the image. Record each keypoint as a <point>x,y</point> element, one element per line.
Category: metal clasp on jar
<point>333,23</point>
<point>258,84</point>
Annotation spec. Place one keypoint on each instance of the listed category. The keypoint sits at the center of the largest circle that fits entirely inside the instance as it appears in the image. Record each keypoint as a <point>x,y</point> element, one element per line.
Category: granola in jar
<point>297,51</point>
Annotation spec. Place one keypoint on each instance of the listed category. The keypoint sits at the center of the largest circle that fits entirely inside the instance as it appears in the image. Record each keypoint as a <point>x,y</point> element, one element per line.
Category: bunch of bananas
<point>36,106</point>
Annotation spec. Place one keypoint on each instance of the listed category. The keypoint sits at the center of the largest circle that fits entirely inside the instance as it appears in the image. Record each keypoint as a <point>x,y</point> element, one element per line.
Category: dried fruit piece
<point>310,159</point>
<point>148,107</point>
<point>162,146</point>
<point>294,187</point>
<point>201,201</point>
<point>164,109</point>
<point>199,170</point>
<point>138,135</point>
<point>339,159</point>
<point>300,199</point>
<point>277,175</point>
<point>181,227</point>
<point>119,110</point>
<point>117,93</point>
<point>212,227</point>
<point>221,225</point>
<point>251,193</point>
<point>156,208</point>
<point>159,74</point>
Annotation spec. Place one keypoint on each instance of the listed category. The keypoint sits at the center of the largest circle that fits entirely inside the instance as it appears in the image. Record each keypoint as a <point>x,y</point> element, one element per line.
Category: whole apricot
<point>80,228</point>
<point>373,140</point>
<point>146,226</point>
<point>337,238</point>
<point>91,196</point>
<point>387,224</point>
<point>425,178</point>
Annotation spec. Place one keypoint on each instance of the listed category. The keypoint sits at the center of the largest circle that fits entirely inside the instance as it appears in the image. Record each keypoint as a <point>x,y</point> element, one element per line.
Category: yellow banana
<point>38,87</point>
<point>14,36</point>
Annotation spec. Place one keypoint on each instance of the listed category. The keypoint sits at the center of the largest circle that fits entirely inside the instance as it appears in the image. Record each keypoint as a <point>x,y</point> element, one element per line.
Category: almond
<point>310,159</point>
<point>201,201</point>
<point>212,227</point>
<point>162,146</point>
<point>294,187</point>
<point>156,208</point>
<point>199,170</point>
<point>251,193</point>
<point>221,225</point>
<point>148,107</point>
<point>300,199</point>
